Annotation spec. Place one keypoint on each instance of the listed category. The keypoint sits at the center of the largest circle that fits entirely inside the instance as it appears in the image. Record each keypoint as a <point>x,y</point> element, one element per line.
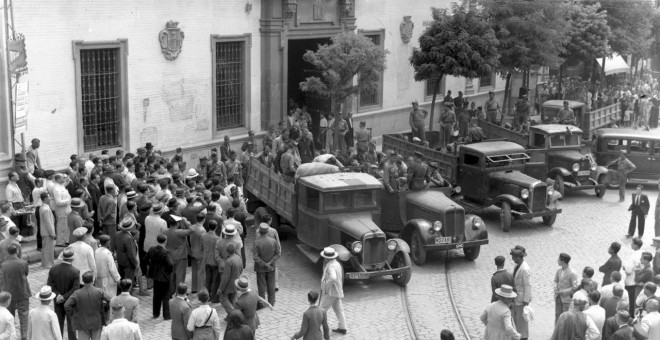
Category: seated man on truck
<point>566,115</point>
<point>418,173</point>
<point>435,179</point>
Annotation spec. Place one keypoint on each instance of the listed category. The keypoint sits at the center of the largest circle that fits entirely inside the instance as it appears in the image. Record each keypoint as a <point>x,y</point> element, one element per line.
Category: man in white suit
<point>497,316</point>
<point>332,285</point>
<point>523,289</point>
<point>649,326</point>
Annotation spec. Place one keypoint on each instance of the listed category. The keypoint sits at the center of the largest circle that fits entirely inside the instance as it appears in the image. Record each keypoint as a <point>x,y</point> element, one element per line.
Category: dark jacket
<point>609,327</point>
<point>266,250</point>
<point>64,279</point>
<point>613,264</point>
<point>313,319</point>
<point>86,307</point>
<point>159,264</point>
<point>247,304</point>
<point>643,204</point>
<point>107,210</point>
<point>232,271</point>
<point>15,281</point>
<point>180,311</point>
<point>500,277</point>
<point>623,333</point>
<point>243,333</point>
<point>127,255</point>
<point>609,304</point>
<point>212,217</point>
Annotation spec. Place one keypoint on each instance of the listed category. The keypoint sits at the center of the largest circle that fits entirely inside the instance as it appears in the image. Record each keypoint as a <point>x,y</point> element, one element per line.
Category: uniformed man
<point>492,108</point>
<point>522,112</point>
<point>435,179</point>
<point>202,168</point>
<point>447,122</point>
<point>566,115</point>
<point>418,173</point>
<point>391,172</point>
<point>623,166</point>
<point>475,133</point>
<point>417,117</point>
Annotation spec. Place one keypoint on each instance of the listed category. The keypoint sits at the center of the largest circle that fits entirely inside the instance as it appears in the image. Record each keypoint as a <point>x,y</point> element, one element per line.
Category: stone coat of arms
<point>171,40</point>
<point>406,29</point>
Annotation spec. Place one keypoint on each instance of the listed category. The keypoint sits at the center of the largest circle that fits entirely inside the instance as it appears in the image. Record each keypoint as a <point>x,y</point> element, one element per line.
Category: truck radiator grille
<point>539,199</point>
<point>374,250</point>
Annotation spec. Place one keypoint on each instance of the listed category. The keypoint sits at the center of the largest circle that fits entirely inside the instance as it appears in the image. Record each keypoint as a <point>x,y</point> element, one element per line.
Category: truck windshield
<point>335,200</point>
<point>506,160</point>
<point>565,139</point>
<point>365,199</point>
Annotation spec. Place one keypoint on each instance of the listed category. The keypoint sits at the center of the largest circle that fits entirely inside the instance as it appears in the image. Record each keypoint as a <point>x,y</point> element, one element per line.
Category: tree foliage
<point>630,22</point>
<point>589,33</point>
<point>459,43</point>
<point>348,56</point>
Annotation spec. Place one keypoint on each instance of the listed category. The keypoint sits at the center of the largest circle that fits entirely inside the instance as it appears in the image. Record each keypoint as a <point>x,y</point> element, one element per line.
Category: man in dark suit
<point>211,216</point>
<point>610,303</point>
<point>613,264</point>
<point>233,267</point>
<point>180,311</point>
<point>64,279</point>
<point>625,331</point>
<point>209,262</point>
<point>639,208</point>
<point>159,268</point>
<point>313,319</point>
<point>611,324</point>
<point>15,272</point>
<point>95,195</point>
<point>247,303</point>
<point>127,254</point>
<point>86,308</point>
<point>350,131</point>
<point>500,277</point>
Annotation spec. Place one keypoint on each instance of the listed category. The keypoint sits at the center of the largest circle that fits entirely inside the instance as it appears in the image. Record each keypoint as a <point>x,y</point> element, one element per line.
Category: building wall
<point>179,92</point>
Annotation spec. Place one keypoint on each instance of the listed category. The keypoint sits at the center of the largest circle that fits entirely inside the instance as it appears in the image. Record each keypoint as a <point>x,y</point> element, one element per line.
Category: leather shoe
<point>339,330</point>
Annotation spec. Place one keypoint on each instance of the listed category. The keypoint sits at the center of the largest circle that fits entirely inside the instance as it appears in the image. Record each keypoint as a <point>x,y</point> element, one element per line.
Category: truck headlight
<point>524,193</point>
<point>391,245</point>
<point>551,191</point>
<point>457,189</point>
<point>356,246</point>
<point>477,223</point>
<point>437,226</point>
<point>594,166</point>
<point>576,167</point>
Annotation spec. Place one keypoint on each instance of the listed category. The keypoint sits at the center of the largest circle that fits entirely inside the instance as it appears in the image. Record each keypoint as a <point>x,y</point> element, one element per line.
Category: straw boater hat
<point>126,224</point>
<point>329,253</point>
<point>229,229</point>
<point>242,283</point>
<point>67,254</point>
<point>157,208</point>
<point>192,173</point>
<point>131,194</point>
<point>46,294</point>
<point>506,291</point>
<point>77,203</point>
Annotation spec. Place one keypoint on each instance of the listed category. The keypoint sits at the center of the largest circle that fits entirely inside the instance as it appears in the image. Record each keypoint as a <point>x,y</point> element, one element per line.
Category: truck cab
<point>556,153</point>
<point>492,173</point>
<point>430,220</point>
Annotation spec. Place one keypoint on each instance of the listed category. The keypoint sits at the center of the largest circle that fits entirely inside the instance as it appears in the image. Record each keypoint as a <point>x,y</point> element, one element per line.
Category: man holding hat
<point>497,316</point>
<point>417,117</point>
<point>266,252</point>
<point>83,254</point>
<point>332,287</point>
<point>639,208</point>
<point>418,173</point>
<point>64,279</point>
<point>42,320</point>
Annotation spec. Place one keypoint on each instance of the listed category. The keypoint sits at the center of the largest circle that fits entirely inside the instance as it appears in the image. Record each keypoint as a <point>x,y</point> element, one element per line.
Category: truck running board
<point>312,254</point>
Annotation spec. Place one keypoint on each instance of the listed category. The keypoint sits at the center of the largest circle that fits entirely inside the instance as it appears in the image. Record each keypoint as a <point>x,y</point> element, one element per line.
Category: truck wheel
<point>549,220</point>
<point>600,191</point>
<point>471,253</point>
<point>505,217</point>
<point>417,249</point>
<point>401,259</point>
<point>559,185</point>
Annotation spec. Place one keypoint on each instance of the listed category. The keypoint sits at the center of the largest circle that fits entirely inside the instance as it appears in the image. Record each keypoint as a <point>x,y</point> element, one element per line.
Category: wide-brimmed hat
<point>242,283</point>
<point>126,224</point>
<point>131,194</point>
<point>157,208</point>
<point>45,294</point>
<point>77,203</point>
<point>192,173</point>
<point>329,253</point>
<point>229,229</point>
<point>149,146</point>
<point>67,254</point>
<point>506,291</point>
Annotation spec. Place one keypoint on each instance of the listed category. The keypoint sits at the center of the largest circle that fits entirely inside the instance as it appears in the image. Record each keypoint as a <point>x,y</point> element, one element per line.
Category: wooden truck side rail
<point>269,187</point>
<point>600,118</point>
<point>493,131</point>
<point>447,164</point>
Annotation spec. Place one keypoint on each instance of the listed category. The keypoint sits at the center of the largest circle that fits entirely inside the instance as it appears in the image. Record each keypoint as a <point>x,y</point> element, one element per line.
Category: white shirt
<point>597,315</point>
<point>199,316</point>
<point>7,328</point>
<point>121,329</point>
<point>606,291</point>
<point>83,258</point>
<point>650,326</point>
<point>13,193</point>
<point>154,225</point>
<point>629,266</point>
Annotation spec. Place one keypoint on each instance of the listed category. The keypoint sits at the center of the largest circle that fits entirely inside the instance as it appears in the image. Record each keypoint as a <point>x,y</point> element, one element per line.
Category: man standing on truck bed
<point>417,117</point>
<point>391,173</point>
<point>492,108</point>
<point>447,122</point>
<point>418,173</point>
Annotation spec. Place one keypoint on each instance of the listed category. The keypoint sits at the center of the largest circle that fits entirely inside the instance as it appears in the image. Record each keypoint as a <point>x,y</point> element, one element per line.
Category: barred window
<point>487,81</point>
<point>229,84</point>
<point>373,97</point>
<point>430,87</point>
<point>100,96</point>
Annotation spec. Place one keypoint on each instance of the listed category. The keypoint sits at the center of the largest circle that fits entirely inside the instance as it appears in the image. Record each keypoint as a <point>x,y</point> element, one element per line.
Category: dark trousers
<point>227,300</point>
<point>212,282</point>
<point>38,219</point>
<point>161,297</point>
<point>639,215</point>
<point>179,274</point>
<point>61,315</point>
<point>266,283</point>
<point>632,297</point>
<point>23,308</point>
<point>110,230</point>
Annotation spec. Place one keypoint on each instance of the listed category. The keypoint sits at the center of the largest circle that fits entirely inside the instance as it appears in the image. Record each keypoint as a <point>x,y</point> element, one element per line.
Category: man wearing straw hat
<point>497,316</point>
<point>64,279</point>
<point>332,287</point>
<point>42,321</point>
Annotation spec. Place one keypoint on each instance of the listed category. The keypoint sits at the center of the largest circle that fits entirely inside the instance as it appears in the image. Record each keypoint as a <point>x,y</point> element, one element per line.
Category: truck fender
<point>343,253</point>
<point>420,225</point>
<point>601,170</point>
<point>513,200</point>
<point>558,170</point>
<point>401,246</point>
<point>475,228</point>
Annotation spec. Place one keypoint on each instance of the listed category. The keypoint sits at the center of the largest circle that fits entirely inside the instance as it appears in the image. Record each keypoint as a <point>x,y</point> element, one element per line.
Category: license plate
<point>584,173</point>
<point>358,276</point>
<point>442,240</point>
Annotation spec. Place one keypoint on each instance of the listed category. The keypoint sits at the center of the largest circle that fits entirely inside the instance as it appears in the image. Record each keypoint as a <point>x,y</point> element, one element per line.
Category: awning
<point>615,64</point>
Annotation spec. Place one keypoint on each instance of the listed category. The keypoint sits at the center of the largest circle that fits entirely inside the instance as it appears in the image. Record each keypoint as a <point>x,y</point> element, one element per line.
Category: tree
<point>339,63</point>
<point>461,44</point>
<point>589,35</point>
<point>532,34</point>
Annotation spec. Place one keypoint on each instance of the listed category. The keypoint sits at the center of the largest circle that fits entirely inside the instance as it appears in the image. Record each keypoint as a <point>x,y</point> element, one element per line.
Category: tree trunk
<point>561,78</point>
<point>507,97</point>
<point>338,115</point>
<point>436,87</point>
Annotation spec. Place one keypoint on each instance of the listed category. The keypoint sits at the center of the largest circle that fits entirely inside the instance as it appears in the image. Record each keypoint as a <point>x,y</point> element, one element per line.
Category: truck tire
<point>505,216</point>
<point>612,180</point>
<point>471,253</point>
<point>600,191</point>
<point>549,220</point>
<point>417,250</point>
<point>559,185</point>
<point>401,259</point>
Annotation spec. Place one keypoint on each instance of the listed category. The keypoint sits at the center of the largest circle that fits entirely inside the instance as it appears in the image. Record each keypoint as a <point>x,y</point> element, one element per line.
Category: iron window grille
<point>229,84</point>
